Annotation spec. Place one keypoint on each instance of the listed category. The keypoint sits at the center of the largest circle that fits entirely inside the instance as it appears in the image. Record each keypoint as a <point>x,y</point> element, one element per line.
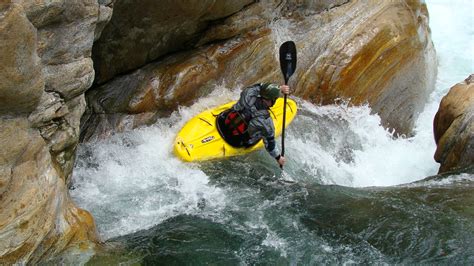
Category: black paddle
<point>288,66</point>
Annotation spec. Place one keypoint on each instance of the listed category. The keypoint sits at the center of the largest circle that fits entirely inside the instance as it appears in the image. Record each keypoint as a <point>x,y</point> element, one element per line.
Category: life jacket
<point>236,123</point>
<point>233,124</point>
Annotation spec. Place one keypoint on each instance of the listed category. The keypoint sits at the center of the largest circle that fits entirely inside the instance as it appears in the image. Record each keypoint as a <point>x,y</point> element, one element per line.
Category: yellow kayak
<point>200,139</point>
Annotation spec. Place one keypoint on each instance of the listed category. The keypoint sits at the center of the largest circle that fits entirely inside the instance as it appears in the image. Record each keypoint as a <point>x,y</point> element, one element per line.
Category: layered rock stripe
<point>364,52</point>
<point>45,51</point>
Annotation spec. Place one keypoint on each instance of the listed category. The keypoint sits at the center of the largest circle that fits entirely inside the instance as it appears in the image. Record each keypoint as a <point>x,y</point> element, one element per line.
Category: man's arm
<point>270,142</point>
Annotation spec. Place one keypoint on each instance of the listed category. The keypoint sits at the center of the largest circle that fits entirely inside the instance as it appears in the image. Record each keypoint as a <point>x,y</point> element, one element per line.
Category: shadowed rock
<point>454,127</point>
<point>142,31</point>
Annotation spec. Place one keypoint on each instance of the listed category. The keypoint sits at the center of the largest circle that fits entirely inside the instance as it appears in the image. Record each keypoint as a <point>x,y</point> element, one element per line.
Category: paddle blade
<point>288,59</point>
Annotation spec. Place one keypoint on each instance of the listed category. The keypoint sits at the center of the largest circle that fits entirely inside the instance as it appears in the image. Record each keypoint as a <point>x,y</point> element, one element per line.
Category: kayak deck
<point>200,140</point>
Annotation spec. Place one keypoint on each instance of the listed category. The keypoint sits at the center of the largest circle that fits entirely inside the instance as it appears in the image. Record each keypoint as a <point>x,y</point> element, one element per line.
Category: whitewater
<point>133,182</point>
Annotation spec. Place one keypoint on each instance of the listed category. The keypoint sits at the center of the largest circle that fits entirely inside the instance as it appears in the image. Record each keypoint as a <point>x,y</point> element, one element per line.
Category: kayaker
<point>249,119</point>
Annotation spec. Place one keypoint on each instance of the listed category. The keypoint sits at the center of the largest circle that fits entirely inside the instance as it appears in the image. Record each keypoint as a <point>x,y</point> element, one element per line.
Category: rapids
<point>353,196</point>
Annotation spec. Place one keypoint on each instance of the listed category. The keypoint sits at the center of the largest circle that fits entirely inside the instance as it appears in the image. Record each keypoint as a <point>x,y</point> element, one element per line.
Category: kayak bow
<point>200,140</point>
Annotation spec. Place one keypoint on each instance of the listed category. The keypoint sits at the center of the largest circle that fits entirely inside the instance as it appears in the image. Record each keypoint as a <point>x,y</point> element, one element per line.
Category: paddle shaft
<point>288,65</point>
<point>287,76</point>
<point>284,121</point>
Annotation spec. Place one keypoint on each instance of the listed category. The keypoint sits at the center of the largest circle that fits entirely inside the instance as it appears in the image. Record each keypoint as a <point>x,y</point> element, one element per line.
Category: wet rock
<point>249,18</point>
<point>161,87</point>
<point>454,127</point>
<point>375,53</point>
<point>363,52</point>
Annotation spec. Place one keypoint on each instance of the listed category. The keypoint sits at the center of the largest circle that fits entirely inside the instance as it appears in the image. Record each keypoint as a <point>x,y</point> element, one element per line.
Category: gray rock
<point>21,79</point>
<point>45,48</point>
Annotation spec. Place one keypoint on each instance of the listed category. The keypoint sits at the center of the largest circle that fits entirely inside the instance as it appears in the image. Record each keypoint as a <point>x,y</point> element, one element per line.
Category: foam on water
<point>348,146</point>
<point>452,24</point>
<point>132,181</point>
<point>375,158</point>
<point>461,179</point>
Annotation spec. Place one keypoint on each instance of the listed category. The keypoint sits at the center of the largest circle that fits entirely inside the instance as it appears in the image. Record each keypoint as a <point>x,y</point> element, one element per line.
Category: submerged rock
<point>454,127</point>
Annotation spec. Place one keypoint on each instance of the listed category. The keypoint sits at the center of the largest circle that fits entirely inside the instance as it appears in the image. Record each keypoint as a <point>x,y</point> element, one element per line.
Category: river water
<point>352,196</point>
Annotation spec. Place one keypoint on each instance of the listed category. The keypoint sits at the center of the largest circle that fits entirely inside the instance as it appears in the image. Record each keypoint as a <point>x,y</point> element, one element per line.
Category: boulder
<point>376,53</point>
<point>159,88</point>
<point>37,218</point>
<point>46,68</point>
<point>64,34</point>
<point>454,127</point>
<point>364,52</point>
<point>142,31</point>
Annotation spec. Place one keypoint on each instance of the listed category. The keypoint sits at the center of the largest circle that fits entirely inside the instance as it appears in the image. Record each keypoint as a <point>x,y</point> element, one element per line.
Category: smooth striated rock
<point>363,52</point>
<point>161,87</point>
<point>46,68</point>
<point>454,127</point>
<point>37,218</point>
<point>378,53</point>
<point>246,20</point>
<point>142,31</point>
<point>21,80</point>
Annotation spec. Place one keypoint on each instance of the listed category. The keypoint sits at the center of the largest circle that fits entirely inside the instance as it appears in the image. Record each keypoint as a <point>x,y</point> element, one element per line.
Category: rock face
<point>142,31</point>
<point>454,127</point>
<point>46,68</point>
<point>378,53</point>
<point>151,58</point>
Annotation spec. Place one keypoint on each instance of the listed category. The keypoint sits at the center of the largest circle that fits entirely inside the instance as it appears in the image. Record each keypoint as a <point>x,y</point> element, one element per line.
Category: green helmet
<point>270,91</point>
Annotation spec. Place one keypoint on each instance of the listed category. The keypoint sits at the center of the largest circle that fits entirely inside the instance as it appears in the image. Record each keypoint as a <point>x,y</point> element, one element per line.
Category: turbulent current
<point>350,192</point>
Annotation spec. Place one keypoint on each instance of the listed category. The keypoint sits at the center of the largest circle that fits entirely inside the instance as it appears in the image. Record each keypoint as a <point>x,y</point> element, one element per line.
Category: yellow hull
<point>200,140</point>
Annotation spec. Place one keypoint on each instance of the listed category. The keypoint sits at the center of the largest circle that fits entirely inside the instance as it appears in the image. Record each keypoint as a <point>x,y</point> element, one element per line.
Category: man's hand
<point>281,161</point>
<point>285,89</point>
